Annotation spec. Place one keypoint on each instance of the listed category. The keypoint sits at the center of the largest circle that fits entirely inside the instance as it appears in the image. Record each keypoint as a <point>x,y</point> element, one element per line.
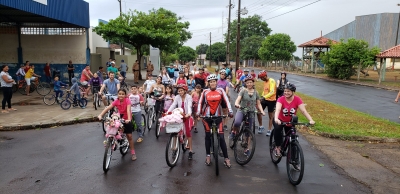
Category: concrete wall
<point>95,41</point>
<point>105,53</point>
<point>8,48</point>
<point>95,62</point>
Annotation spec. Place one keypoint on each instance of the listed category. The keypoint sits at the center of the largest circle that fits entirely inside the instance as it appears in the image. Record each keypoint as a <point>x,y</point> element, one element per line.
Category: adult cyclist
<point>224,84</point>
<point>201,78</point>
<point>210,105</point>
<point>241,79</point>
<point>268,100</point>
<point>286,107</point>
<point>112,85</point>
<point>280,84</point>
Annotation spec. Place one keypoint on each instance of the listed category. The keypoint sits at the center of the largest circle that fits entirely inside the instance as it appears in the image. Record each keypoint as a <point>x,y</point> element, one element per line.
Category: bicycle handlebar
<point>291,123</point>
<point>213,117</point>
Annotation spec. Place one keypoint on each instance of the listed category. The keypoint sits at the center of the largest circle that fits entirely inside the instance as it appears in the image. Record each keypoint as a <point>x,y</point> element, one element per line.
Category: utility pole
<point>397,36</point>
<point>120,14</point>
<point>238,39</point>
<point>210,51</point>
<point>229,33</point>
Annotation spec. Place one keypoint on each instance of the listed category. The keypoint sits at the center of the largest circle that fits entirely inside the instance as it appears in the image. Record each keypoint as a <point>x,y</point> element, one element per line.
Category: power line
<point>293,10</point>
<point>280,7</point>
<point>169,5</point>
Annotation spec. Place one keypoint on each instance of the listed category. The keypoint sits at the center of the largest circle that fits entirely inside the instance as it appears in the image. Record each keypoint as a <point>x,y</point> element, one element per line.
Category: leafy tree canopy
<point>343,57</point>
<point>277,47</point>
<point>218,52</point>
<point>250,46</point>
<point>186,53</point>
<point>201,49</point>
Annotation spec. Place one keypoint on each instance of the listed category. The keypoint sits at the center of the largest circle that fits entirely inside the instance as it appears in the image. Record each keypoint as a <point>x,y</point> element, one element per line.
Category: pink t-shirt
<point>288,110</point>
<point>169,102</point>
<point>122,106</point>
<point>84,77</point>
<point>135,99</point>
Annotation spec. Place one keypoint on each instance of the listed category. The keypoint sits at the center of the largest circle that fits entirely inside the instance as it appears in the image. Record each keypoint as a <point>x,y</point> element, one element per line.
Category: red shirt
<point>288,110</point>
<point>122,107</point>
<point>239,74</point>
<point>47,70</point>
<point>26,69</point>
<point>253,75</point>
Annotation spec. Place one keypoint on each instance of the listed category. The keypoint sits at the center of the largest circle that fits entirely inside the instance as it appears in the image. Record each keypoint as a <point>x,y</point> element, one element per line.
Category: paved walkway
<point>32,113</point>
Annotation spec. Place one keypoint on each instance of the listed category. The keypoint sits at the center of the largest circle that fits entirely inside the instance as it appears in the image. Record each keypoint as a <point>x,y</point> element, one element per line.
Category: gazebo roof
<point>393,52</point>
<point>318,42</point>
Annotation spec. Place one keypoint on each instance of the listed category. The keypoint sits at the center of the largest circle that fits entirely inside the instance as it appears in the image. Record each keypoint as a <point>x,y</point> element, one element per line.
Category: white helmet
<point>222,71</point>
<point>212,77</point>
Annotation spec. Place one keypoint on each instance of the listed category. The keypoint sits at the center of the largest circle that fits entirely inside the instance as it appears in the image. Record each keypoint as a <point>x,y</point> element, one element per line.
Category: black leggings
<point>7,95</point>
<point>221,143</point>
<point>278,135</point>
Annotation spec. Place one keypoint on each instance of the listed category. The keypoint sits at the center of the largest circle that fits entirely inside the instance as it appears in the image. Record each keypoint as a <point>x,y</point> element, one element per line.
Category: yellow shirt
<point>269,92</point>
<point>29,74</point>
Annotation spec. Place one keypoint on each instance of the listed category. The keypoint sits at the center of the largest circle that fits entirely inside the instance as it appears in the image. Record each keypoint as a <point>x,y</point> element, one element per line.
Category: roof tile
<point>393,52</point>
<point>318,42</point>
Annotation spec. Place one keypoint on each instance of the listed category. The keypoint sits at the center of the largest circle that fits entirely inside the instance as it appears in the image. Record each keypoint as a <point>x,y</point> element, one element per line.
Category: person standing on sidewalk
<point>123,68</point>
<point>71,69</point>
<point>268,100</point>
<point>47,72</point>
<point>136,71</point>
<point>6,85</point>
<point>150,69</point>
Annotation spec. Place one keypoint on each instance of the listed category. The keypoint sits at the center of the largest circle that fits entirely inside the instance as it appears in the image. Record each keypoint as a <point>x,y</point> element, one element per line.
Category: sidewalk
<point>32,113</point>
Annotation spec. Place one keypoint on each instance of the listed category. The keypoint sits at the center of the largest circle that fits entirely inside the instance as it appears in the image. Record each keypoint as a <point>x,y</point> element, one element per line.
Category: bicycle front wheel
<point>49,99</point>
<point>215,141</point>
<point>158,126</point>
<point>103,121</point>
<point>295,163</point>
<point>95,99</point>
<point>65,104</point>
<point>244,146</point>
<point>82,102</point>
<point>107,155</point>
<point>150,116</point>
<point>143,124</point>
<point>231,140</point>
<point>43,89</point>
<point>172,150</point>
<point>272,146</point>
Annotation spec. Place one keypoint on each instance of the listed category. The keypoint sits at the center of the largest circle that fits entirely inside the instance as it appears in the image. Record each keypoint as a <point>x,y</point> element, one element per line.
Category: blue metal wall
<point>377,29</point>
<point>70,11</point>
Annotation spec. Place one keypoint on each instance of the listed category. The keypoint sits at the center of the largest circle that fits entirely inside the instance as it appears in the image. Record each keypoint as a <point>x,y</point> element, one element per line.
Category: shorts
<point>128,127</point>
<point>28,80</point>
<point>269,104</point>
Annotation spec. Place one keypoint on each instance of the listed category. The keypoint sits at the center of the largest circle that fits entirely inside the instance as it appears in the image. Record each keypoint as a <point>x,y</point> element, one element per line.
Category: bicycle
<point>243,140</point>
<point>42,88</point>
<point>150,112</point>
<point>96,99</point>
<point>291,149</point>
<point>214,139</point>
<point>112,144</point>
<point>172,150</point>
<point>109,113</point>
<point>158,116</point>
<point>50,99</point>
<point>143,123</point>
<point>69,100</point>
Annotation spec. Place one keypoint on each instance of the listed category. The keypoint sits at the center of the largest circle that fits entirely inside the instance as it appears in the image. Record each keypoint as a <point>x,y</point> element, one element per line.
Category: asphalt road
<point>373,101</point>
<point>69,159</point>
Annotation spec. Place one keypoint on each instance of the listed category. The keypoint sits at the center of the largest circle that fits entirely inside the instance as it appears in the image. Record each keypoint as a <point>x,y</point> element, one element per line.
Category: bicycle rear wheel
<point>103,121</point>
<point>215,142</point>
<point>150,115</point>
<point>49,99</point>
<point>231,140</point>
<point>143,124</point>
<point>82,102</point>
<point>107,155</point>
<point>43,89</point>
<point>295,163</point>
<point>65,104</point>
<point>95,99</point>
<point>124,149</point>
<point>22,87</point>
<point>272,147</point>
<point>172,150</point>
<point>244,146</point>
<point>158,126</point>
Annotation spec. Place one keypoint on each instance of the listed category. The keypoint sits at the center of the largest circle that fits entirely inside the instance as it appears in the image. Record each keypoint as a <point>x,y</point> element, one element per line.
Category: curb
<point>334,80</point>
<point>48,125</point>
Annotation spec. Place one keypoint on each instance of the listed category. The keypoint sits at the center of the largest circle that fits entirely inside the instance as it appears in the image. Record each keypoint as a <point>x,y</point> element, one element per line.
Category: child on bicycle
<point>140,91</point>
<point>77,92</point>
<point>124,108</point>
<point>57,88</point>
<point>96,83</point>
<point>137,100</point>
<point>195,97</point>
<point>169,97</point>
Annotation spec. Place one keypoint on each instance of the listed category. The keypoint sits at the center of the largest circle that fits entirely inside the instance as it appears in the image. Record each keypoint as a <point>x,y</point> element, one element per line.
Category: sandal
<point>4,111</point>
<point>13,109</point>
<point>278,153</point>
<point>208,163</point>
<point>226,163</point>
<point>139,140</point>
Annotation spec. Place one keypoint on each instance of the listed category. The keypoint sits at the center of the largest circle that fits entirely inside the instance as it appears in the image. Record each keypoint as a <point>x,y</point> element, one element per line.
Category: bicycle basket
<point>173,127</point>
<point>151,102</point>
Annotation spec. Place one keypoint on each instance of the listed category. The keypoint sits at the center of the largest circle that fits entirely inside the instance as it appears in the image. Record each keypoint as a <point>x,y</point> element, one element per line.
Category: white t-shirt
<point>135,100</point>
<point>148,84</point>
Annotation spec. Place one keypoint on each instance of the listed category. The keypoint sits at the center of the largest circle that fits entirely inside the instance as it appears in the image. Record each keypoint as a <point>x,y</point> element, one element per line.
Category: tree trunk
<point>139,55</point>
<point>358,71</point>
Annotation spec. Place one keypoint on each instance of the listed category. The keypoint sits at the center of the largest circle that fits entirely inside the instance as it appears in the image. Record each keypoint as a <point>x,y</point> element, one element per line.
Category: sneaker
<point>260,129</point>
<point>247,152</point>
<point>268,132</point>
<point>134,157</point>
<point>83,107</point>
<point>225,128</point>
<point>59,99</point>
<point>190,155</point>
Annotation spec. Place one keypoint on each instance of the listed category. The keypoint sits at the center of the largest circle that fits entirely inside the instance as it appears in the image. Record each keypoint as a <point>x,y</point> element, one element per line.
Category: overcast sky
<point>207,16</point>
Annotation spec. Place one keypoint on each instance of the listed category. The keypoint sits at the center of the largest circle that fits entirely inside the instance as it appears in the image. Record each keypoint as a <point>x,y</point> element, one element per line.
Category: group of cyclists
<point>208,95</point>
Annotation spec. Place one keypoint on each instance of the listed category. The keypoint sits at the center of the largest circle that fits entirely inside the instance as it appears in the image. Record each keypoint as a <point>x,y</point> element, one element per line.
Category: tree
<point>250,26</point>
<point>168,58</point>
<point>218,52</point>
<point>201,49</point>
<point>277,47</point>
<point>159,28</point>
<point>343,58</point>
<point>250,47</point>
<point>186,53</point>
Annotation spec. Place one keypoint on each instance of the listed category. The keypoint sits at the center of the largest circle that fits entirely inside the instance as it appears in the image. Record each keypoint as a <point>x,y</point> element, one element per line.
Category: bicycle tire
<point>294,149</point>
<point>143,123</point>
<point>215,152</point>
<point>124,149</point>
<point>272,146</point>
<point>107,155</point>
<point>95,99</point>
<point>23,88</point>
<point>82,102</point>
<point>103,121</point>
<point>43,89</point>
<point>15,88</point>
<point>184,144</point>
<point>158,126</point>
<point>231,141</point>
<point>150,118</point>
<point>49,99</point>
<point>65,104</point>
<point>241,142</point>
<point>170,147</point>
<point>32,88</point>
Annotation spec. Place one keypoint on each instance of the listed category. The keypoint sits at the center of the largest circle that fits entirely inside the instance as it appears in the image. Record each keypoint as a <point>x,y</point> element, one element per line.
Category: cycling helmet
<point>222,71</point>
<point>248,77</point>
<point>262,74</point>
<point>212,77</point>
<point>183,86</point>
<point>246,70</point>
<point>291,87</point>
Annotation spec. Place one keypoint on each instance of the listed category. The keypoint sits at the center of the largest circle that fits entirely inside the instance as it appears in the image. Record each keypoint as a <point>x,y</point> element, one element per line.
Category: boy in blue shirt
<point>57,88</point>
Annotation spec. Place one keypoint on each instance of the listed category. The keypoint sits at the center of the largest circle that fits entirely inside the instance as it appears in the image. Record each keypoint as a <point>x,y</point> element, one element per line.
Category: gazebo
<point>312,51</point>
<point>392,54</point>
